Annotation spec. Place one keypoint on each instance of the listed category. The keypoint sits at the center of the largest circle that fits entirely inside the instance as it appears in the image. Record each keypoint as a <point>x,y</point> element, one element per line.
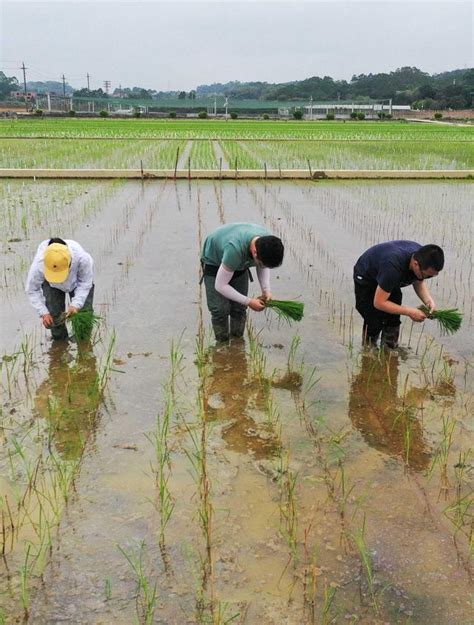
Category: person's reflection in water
<point>69,397</point>
<point>388,422</point>
<point>232,396</point>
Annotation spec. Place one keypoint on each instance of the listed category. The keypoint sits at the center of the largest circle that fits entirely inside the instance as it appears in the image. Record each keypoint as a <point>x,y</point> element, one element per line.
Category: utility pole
<point>24,84</point>
<point>64,92</point>
<point>88,84</point>
<point>225,105</point>
<point>215,105</point>
<point>311,108</point>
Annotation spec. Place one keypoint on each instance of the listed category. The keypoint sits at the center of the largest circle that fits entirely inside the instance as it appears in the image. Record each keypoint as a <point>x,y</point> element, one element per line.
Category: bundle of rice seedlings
<point>449,320</point>
<point>83,323</point>
<point>289,310</point>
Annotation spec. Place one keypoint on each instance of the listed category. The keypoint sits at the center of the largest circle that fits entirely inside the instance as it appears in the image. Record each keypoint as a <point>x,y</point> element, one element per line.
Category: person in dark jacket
<point>380,274</point>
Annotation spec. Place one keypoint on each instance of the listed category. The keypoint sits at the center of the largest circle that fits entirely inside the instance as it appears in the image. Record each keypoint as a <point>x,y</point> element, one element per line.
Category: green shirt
<point>230,245</point>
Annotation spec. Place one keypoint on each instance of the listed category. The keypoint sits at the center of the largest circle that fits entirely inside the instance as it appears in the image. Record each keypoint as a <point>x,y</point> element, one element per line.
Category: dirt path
<point>183,159</point>
<point>220,158</point>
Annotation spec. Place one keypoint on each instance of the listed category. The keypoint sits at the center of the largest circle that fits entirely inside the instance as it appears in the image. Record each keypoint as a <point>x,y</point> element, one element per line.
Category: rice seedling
<point>366,564</point>
<point>442,451</point>
<point>449,320</point>
<point>345,491</point>
<point>108,589</point>
<point>288,310</point>
<point>82,323</point>
<point>258,360</point>
<point>461,511</point>
<point>329,596</point>
<point>146,592</point>
<point>25,573</point>
<point>310,577</point>
<point>197,456</point>
<point>159,440</point>
<point>106,366</point>
<point>288,506</point>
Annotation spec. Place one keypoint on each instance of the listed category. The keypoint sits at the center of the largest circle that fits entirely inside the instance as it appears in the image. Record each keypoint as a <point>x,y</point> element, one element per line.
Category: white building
<point>374,110</point>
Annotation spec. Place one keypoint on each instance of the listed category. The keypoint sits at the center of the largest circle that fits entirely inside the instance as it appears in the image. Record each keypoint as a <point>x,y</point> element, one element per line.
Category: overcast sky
<point>180,45</point>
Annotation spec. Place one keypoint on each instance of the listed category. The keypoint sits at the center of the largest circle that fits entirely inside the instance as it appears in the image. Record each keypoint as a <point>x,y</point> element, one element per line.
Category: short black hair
<point>430,256</point>
<point>270,250</point>
<point>57,240</point>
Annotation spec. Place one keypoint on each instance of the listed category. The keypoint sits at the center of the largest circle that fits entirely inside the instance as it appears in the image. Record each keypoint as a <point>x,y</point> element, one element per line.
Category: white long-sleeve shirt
<point>223,287</point>
<point>79,280</point>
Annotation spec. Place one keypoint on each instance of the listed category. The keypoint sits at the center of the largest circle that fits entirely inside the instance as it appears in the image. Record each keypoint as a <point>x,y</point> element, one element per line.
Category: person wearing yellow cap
<point>60,267</point>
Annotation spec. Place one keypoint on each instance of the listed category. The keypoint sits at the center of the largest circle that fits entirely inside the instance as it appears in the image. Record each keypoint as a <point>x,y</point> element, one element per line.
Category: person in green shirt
<point>226,257</point>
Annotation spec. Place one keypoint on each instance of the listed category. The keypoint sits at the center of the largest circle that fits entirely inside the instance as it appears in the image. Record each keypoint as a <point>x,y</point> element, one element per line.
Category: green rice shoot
<point>289,310</point>
<point>82,323</point>
<point>449,320</point>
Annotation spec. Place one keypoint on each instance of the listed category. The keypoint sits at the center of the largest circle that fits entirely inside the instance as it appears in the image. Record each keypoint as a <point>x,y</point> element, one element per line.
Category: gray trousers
<point>223,309</point>
<point>56,305</point>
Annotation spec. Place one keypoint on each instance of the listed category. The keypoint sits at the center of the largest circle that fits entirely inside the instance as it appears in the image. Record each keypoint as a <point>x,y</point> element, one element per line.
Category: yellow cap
<point>57,261</point>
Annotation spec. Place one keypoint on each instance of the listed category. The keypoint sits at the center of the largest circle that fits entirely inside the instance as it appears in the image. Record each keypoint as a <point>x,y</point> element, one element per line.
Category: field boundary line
<point>240,174</point>
<point>387,139</point>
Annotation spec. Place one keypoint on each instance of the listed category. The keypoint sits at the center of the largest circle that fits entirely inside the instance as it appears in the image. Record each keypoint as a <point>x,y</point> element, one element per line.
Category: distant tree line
<point>406,85</point>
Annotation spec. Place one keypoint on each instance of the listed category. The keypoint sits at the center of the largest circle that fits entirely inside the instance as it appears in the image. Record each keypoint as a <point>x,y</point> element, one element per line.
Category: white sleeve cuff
<point>223,287</point>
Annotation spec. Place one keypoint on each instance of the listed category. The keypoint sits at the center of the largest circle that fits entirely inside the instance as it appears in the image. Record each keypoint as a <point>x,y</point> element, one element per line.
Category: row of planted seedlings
<point>428,425</point>
<point>358,213</point>
<point>312,583</point>
<point>448,383</point>
<point>305,582</point>
<point>27,210</point>
<point>190,424</point>
<point>98,154</point>
<point>182,129</point>
<point>314,155</point>
<point>47,419</point>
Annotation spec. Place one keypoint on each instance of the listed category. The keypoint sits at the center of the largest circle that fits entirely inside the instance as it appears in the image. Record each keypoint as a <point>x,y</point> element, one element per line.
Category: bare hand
<point>72,310</point>
<point>47,320</point>
<point>257,305</point>
<point>416,314</point>
<point>266,296</point>
<point>429,303</point>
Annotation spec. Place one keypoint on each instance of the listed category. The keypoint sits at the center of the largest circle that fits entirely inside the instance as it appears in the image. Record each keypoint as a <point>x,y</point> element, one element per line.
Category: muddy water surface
<point>307,480</point>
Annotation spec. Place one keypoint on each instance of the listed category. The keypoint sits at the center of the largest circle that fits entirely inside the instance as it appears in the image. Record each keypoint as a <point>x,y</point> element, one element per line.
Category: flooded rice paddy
<point>290,478</point>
